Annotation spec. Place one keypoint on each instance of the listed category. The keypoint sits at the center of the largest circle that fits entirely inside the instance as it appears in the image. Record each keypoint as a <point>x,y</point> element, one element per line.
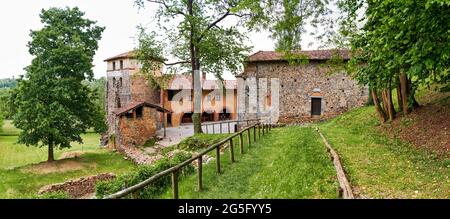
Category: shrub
<point>142,173</point>
<point>200,141</point>
<point>50,195</point>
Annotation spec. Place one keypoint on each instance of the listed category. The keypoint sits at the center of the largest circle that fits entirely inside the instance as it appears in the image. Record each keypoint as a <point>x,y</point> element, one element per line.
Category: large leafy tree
<point>402,44</point>
<point>196,35</point>
<point>51,104</point>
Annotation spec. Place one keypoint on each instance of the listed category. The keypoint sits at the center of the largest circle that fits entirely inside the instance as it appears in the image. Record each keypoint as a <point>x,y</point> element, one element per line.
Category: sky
<point>120,17</point>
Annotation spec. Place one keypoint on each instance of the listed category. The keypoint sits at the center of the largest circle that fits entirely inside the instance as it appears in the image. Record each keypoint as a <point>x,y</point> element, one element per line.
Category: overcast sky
<point>120,17</point>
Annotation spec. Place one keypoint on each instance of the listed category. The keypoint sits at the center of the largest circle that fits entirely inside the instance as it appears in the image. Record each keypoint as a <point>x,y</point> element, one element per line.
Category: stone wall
<point>137,131</point>
<point>79,188</point>
<point>300,83</point>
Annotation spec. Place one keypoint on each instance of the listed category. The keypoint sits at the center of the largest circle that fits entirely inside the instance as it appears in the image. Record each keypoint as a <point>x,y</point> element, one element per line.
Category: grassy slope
<point>385,168</point>
<point>15,158</point>
<point>289,163</point>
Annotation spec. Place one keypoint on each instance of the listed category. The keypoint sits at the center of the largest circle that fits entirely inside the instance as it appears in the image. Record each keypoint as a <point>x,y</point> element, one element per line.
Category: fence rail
<point>227,123</point>
<point>265,127</point>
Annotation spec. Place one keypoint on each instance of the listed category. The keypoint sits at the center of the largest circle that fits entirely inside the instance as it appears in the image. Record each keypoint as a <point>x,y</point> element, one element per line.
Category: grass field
<point>22,172</point>
<point>287,163</point>
<point>379,167</point>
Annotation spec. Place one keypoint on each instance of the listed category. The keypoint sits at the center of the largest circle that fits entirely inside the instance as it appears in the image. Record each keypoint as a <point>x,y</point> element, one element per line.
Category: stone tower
<point>124,85</point>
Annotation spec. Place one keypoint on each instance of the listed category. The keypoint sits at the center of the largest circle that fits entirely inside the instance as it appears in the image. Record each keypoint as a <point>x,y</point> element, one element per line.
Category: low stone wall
<point>79,188</point>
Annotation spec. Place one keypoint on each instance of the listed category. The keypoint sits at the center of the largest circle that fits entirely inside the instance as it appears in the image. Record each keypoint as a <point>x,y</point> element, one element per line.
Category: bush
<point>1,121</point>
<point>51,195</point>
<point>200,141</point>
<point>144,172</point>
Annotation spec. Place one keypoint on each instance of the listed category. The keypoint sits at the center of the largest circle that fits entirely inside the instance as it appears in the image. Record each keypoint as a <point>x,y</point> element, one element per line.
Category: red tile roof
<point>134,105</point>
<point>265,56</point>
<point>130,54</point>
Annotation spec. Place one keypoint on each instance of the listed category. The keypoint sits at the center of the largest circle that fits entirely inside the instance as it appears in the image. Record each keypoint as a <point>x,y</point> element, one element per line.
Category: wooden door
<point>316,106</point>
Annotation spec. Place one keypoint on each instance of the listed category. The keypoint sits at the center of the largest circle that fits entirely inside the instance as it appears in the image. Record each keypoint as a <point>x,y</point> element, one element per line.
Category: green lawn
<point>380,167</point>
<point>16,155</point>
<point>20,177</point>
<point>287,163</point>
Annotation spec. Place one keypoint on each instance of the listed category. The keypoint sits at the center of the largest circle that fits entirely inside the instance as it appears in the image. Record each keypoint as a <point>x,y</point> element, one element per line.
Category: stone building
<point>128,93</point>
<point>135,124</point>
<point>313,90</point>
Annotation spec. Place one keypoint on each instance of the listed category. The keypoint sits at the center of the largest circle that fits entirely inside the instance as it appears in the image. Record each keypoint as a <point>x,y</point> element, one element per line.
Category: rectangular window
<point>114,66</point>
<point>121,64</point>
<point>139,112</point>
<point>218,97</point>
<point>209,98</point>
<point>129,114</point>
<point>190,97</point>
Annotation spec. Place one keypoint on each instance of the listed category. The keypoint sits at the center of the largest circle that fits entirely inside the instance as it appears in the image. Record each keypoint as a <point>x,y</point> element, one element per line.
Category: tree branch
<point>162,2</point>
<point>176,63</point>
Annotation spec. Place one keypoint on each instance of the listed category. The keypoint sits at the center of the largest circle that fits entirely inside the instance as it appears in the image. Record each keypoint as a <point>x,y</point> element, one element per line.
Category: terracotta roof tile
<point>134,105</point>
<point>264,56</point>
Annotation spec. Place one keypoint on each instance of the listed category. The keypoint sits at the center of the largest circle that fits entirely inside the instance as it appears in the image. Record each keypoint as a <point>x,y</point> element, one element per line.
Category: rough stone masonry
<point>310,91</point>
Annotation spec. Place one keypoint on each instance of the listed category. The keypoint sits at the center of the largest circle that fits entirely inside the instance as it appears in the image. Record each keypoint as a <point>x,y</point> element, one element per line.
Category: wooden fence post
<point>175,184</point>
<point>199,173</point>
<point>254,133</point>
<point>206,126</point>
<point>214,129</point>
<point>231,150</point>
<point>248,137</point>
<point>259,130</point>
<point>218,159</point>
<point>229,130</point>
<point>241,143</point>
<point>221,132</point>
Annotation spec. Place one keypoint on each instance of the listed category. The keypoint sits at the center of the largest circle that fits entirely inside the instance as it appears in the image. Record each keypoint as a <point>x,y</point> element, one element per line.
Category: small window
<point>120,82</point>
<point>189,97</point>
<point>209,98</point>
<point>218,97</point>
<point>121,64</point>
<point>139,112</point>
<point>114,66</point>
<point>129,114</point>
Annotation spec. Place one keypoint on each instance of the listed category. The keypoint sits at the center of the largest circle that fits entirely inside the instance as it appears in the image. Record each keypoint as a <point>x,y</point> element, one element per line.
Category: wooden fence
<point>226,123</point>
<point>259,127</point>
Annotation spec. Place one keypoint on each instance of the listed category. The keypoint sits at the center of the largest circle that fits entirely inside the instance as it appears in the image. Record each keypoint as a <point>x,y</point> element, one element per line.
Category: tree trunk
<point>51,157</point>
<point>376,102</point>
<point>387,103</point>
<point>399,97</point>
<point>196,82</point>
<point>404,92</point>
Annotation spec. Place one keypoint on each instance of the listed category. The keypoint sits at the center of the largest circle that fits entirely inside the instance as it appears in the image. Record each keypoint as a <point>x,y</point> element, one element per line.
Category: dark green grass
<point>287,163</point>
<point>380,167</point>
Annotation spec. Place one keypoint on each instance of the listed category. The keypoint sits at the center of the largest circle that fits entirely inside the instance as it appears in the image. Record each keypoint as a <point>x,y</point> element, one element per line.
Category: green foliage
<point>53,195</point>
<point>199,141</point>
<point>8,83</point>
<point>1,121</point>
<point>51,104</point>
<point>5,94</point>
<point>142,173</point>
<point>408,36</point>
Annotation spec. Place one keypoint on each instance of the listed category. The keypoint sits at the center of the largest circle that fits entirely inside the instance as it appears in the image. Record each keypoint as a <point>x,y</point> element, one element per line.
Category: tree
<point>51,104</point>
<point>401,45</point>
<point>194,33</point>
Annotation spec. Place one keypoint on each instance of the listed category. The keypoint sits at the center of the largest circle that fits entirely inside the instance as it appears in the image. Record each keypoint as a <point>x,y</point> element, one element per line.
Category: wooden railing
<point>226,123</point>
<point>259,127</point>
